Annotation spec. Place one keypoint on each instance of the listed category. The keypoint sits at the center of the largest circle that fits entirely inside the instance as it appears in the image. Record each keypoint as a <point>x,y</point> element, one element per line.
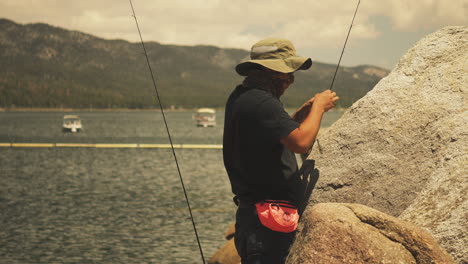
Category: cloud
<point>311,25</point>
<point>410,15</point>
<point>218,22</point>
<point>235,23</point>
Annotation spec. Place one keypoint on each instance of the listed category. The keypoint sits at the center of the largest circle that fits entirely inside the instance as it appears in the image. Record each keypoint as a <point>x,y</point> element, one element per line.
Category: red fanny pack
<point>280,216</point>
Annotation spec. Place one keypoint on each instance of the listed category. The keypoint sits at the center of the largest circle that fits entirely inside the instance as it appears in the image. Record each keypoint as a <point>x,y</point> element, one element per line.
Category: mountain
<point>47,66</point>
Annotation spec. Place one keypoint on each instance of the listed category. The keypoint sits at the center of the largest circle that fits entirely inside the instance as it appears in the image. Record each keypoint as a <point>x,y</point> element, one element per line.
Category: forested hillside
<point>46,66</point>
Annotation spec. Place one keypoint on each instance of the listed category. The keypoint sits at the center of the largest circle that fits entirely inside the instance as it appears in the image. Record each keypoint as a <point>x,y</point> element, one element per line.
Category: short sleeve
<point>273,121</point>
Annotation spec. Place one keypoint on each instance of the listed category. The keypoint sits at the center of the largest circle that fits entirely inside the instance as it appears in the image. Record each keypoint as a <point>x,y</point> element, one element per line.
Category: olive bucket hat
<point>275,54</point>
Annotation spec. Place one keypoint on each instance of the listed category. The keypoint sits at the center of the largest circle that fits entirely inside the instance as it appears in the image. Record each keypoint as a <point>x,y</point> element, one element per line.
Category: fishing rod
<point>344,46</point>
<point>168,134</point>
<point>339,61</point>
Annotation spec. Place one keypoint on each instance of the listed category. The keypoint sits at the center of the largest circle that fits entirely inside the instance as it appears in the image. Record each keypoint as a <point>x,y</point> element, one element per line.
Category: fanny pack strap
<point>242,203</point>
<point>281,203</point>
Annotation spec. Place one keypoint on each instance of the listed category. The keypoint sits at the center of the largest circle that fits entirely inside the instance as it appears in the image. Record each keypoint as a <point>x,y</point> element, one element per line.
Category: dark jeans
<point>257,244</point>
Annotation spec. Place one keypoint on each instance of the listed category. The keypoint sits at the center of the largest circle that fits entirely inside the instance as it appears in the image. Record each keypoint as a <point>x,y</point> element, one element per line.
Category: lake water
<point>89,205</point>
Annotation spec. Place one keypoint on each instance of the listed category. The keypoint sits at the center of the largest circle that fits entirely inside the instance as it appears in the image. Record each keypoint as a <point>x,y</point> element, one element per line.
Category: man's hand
<point>301,139</point>
<point>325,100</point>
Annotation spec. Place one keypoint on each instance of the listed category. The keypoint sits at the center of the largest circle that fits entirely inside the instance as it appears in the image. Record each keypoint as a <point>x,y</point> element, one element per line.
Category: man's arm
<point>303,111</point>
<point>301,139</point>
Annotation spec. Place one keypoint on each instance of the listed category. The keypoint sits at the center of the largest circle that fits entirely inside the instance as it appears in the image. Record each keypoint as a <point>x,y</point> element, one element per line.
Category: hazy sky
<point>383,30</point>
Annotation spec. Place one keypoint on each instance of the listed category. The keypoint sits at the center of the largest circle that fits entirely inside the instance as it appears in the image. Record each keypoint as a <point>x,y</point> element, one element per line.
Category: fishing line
<point>168,134</point>
<point>339,61</point>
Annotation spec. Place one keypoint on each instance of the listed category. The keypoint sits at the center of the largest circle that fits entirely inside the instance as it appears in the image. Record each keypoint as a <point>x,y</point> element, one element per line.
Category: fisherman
<point>260,139</point>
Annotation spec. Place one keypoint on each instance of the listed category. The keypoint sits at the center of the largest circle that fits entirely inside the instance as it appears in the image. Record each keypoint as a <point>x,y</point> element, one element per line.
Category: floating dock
<point>84,145</point>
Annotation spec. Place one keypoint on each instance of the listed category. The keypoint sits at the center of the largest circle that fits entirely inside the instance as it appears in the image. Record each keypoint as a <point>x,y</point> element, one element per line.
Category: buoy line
<point>114,145</point>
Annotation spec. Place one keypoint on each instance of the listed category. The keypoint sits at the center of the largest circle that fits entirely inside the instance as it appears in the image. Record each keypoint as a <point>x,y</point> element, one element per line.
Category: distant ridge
<point>51,67</point>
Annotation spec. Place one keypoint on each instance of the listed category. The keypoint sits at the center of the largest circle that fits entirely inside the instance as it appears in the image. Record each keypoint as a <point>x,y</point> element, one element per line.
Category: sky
<point>382,32</point>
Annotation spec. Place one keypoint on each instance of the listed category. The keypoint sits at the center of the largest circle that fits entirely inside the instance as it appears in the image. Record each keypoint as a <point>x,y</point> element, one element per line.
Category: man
<point>260,139</point>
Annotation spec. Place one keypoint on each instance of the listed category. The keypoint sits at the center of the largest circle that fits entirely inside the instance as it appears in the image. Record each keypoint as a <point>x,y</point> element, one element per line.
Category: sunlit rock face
<point>336,233</point>
<point>402,149</point>
<point>227,254</point>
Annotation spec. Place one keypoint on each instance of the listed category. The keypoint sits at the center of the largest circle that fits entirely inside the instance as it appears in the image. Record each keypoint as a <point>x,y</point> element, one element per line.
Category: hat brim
<point>288,65</point>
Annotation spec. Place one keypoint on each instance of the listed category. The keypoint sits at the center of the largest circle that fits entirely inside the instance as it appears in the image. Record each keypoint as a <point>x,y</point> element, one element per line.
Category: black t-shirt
<point>258,165</point>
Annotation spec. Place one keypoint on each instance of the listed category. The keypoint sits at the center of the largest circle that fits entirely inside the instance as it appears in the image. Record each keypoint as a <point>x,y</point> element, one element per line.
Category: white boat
<point>71,123</point>
<point>205,117</point>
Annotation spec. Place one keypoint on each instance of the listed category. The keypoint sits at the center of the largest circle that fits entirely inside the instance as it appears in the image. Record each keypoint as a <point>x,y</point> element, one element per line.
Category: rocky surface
<point>350,233</point>
<point>403,147</point>
<point>228,253</point>
<point>442,206</point>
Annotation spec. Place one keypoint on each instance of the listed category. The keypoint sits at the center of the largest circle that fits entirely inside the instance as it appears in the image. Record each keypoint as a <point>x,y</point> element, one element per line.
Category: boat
<point>205,117</point>
<point>71,123</point>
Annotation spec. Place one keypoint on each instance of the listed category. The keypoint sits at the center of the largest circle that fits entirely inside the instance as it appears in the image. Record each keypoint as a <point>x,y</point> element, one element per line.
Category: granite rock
<point>402,148</point>
<point>227,254</point>
<point>335,233</point>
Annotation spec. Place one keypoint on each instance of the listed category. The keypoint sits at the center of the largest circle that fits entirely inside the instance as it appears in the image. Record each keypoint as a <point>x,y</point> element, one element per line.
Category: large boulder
<point>404,145</point>
<point>335,233</point>
<point>442,207</point>
<point>227,254</point>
